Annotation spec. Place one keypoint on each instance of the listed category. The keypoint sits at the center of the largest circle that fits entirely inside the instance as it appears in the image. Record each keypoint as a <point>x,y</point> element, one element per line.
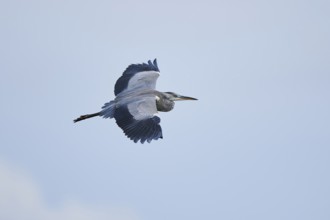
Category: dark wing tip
<point>155,63</point>
<point>135,68</point>
<point>147,130</point>
<point>138,130</point>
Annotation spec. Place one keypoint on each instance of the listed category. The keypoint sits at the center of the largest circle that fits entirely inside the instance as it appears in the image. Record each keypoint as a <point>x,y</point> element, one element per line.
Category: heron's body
<point>137,103</point>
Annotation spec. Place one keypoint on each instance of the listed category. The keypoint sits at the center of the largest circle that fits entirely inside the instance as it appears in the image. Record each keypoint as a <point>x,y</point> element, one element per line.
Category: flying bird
<point>137,103</point>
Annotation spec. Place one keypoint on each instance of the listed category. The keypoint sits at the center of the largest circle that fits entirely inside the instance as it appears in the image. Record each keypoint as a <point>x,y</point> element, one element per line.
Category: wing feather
<point>135,105</point>
<point>138,76</point>
<point>138,128</point>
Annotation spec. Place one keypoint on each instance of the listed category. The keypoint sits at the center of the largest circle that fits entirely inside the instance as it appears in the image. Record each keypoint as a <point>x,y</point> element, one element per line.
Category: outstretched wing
<point>138,76</point>
<point>138,121</point>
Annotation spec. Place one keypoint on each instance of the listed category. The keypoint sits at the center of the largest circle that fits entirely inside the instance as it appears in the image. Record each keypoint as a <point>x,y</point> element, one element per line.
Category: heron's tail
<point>83,117</point>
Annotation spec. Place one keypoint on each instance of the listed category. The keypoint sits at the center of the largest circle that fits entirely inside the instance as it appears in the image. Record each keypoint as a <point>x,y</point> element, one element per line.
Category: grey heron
<point>137,103</point>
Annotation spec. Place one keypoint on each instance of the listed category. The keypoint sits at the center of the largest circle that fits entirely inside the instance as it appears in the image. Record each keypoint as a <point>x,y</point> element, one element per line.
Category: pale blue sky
<point>255,146</point>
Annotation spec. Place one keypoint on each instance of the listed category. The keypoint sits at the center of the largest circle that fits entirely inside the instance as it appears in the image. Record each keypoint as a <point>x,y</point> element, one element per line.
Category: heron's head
<point>176,97</point>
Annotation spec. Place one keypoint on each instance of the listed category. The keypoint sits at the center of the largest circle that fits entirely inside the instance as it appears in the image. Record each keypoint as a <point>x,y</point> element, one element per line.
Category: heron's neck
<point>164,104</point>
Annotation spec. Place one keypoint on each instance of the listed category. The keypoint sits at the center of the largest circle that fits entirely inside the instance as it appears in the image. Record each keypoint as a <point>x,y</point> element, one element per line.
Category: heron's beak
<point>181,98</point>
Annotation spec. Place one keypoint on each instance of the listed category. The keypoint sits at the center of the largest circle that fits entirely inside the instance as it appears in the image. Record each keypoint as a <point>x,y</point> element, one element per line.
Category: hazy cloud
<point>20,198</point>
